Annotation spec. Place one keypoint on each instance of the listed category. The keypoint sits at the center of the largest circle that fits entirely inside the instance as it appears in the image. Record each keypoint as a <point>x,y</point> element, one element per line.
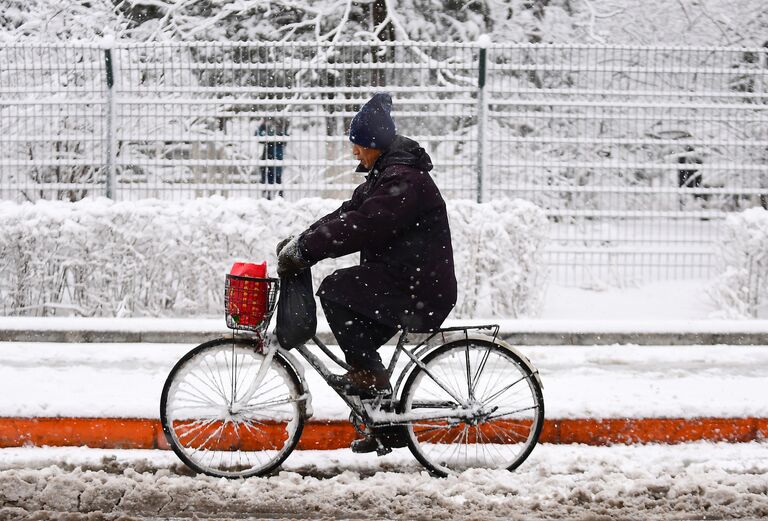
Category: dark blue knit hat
<point>373,127</point>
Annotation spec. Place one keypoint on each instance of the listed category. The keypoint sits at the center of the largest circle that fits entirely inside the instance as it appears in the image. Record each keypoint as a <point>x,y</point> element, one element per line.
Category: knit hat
<point>373,127</point>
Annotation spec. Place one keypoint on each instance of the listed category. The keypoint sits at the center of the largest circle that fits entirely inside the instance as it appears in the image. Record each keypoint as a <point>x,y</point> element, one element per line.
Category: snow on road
<point>690,481</point>
<point>125,380</point>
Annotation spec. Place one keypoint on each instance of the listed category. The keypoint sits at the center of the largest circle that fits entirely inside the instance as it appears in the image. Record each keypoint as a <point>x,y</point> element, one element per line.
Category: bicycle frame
<point>353,402</point>
<point>381,411</point>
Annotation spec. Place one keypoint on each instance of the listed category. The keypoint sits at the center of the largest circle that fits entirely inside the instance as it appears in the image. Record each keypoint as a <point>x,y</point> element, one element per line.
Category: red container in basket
<point>247,299</point>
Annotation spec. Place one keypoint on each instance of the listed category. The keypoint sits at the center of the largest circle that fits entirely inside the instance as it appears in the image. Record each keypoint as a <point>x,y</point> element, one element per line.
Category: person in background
<point>273,151</point>
<point>397,221</point>
<point>689,176</point>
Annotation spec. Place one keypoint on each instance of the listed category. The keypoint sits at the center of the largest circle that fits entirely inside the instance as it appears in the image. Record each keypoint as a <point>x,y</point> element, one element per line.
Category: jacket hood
<point>402,151</point>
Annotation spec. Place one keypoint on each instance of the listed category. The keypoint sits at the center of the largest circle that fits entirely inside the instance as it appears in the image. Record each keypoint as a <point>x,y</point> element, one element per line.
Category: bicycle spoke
<point>470,393</point>
<point>212,388</point>
<point>231,376</point>
<point>504,434</point>
<point>201,430</point>
<point>488,442</point>
<point>201,401</point>
<point>488,401</point>
<point>216,382</point>
<point>480,368</point>
<point>265,393</point>
<point>515,411</point>
<point>243,378</point>
<point>264,405</point>
<point>490,382</point>
<point>199,427</point>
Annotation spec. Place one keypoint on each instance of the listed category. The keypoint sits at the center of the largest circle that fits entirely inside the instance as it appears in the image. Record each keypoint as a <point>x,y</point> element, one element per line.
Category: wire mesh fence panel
<point>52,122</point>
<point>635,153</point>
<point>266,120</point>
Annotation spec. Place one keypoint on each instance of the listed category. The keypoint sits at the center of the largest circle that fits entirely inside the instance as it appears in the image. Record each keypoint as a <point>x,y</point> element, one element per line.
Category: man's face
<point>367,156</point>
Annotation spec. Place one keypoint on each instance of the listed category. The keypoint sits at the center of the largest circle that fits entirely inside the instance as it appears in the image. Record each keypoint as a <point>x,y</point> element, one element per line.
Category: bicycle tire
<point>497,440</point>
<point>249,438</point>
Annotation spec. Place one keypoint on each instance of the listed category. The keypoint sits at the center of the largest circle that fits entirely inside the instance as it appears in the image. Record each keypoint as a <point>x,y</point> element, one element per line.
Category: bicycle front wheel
<point>474,404</point>
<point>229,412</point>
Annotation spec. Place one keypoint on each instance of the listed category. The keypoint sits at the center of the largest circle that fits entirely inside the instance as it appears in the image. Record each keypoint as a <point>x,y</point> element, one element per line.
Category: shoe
<point>365,383</point>
<point>370,444</point>
<point>383,440</point>
<point>365,445</point>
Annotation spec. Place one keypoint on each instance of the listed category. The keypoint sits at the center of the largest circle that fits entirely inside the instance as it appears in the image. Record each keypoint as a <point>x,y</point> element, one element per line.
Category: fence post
<point>108,43</point>
<point>482,116</point>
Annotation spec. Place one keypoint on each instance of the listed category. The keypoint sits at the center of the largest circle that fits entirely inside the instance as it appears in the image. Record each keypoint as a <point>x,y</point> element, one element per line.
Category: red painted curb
<point>123,433</point>
<point>137,433</point>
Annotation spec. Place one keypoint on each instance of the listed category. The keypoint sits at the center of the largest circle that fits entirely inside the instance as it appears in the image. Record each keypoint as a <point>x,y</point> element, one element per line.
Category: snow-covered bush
<point>97,257</point>
<point>498,252</point>
<point>741,289</point>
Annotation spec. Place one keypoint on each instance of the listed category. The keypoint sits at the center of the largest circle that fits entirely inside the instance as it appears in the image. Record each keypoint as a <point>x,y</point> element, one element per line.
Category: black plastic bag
<point>296,310</point>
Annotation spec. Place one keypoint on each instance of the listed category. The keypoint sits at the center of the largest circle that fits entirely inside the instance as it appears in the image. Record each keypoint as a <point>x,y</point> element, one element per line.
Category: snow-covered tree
<point>49,21</point>
<point>662,22</point>
<point>705,22</point>
<point>349,20</point>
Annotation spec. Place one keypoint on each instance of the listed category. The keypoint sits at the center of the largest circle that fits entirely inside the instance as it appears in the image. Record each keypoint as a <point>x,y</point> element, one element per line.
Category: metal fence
<point>636,153</point>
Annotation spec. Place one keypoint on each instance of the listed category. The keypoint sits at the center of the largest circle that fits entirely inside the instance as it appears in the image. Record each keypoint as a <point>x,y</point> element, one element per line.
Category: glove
<point>281,244</point>
<point>289,260</point>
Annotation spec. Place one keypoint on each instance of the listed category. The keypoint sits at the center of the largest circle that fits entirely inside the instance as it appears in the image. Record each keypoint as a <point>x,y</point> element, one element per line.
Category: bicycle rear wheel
<point>226,413</point>
<point>480,407</point>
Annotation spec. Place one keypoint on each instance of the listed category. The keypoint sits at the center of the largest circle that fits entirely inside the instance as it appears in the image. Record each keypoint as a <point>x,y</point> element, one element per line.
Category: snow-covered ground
<point>646,303</point>
<point>125,380</point>
<point>691,481</point>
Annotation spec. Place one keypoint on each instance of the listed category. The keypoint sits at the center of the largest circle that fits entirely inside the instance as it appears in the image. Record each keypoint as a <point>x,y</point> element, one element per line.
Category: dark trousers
<point>358,336</point>
<point>272,175</point>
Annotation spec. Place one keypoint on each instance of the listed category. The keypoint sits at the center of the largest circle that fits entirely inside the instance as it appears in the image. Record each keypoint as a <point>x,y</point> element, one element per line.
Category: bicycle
<point>236,407</point>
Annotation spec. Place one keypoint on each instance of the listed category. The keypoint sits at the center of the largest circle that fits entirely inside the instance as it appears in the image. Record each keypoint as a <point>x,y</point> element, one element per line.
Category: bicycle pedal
<point>365,445</point>
<point>382,450</point>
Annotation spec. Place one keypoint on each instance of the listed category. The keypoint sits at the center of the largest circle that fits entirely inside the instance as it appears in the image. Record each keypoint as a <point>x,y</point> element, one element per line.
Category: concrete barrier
<point>521,338</point>
<point>518,331</point>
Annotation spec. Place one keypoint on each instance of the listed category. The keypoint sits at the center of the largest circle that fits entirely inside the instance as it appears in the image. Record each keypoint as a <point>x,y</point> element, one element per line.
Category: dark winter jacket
<point>398,222</point>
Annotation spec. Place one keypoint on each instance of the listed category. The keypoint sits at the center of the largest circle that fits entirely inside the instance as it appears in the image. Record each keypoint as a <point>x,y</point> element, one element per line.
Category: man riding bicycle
<point>397,220</point>
<point>465,398</point>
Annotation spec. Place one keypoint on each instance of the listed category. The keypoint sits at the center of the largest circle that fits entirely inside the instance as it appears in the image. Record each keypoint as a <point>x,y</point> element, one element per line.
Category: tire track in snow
<point>699,480</point>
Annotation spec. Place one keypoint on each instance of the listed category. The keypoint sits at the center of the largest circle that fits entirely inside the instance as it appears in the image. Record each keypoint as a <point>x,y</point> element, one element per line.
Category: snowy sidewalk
<point>80,393</point>
<point>125,380</point>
